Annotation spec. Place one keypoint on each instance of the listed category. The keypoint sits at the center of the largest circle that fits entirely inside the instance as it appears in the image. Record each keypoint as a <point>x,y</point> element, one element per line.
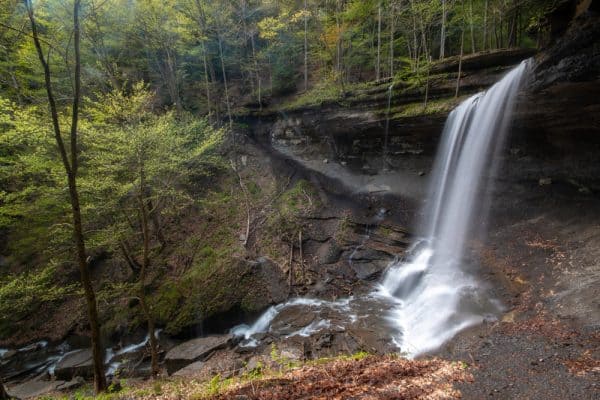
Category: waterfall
<point>430,296</point>
<point>436,296</point>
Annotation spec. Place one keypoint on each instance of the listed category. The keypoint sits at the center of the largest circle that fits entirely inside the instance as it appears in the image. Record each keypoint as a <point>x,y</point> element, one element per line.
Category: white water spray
<point>435,296</point>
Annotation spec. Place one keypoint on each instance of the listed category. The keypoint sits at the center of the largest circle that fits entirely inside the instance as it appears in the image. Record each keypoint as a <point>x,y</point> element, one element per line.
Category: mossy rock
<point>207,291</point>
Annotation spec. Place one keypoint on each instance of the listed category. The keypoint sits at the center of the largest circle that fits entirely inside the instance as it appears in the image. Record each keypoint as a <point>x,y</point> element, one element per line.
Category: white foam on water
<point>312,328</point>
<point>263,323</point>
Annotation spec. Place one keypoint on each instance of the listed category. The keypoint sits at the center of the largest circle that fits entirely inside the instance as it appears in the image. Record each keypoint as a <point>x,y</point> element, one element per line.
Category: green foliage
<point>26,292</point>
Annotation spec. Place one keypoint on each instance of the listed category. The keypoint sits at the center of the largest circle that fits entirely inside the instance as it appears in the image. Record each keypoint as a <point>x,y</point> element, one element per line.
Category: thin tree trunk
<point>171,78</point>
<point>427,84</point>
<point>206,83</point>
<point>471,26</point>
<point>254,71</point>
<point>156,225</point>
<point>485,12</point>
<point>301,256</point>
<point>143,272</point>
<point>291,271</point>
<point>392,33</point>
<point>378,65</point>
<point>257,71</point>
<point>443,33</point>
<point>338,46</point>
<point>495,26</point>
<point>501,32</point>
<point>71,172</point>
<point>220,40</point>
<point>462,43</point>
<point>305,45</point>
<point>135,267</point>
<point>512,27</point>
<point>270,76</point>
<point>415,40</point>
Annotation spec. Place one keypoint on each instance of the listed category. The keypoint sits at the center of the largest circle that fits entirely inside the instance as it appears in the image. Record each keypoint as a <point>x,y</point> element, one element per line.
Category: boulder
<point>224,363</point>
<point>75,363</point>
<point>190,370</point>
<point>194,350</point>
<point>36,388</point>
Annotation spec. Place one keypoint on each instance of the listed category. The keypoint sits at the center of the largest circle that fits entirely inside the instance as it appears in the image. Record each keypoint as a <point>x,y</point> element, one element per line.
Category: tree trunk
<point>471,26</point>
<point>301,256</point>
<point>512,27</point>
<point>206,83</point>
<point>392,33</point>
<point>71,172</point>
<point>427,84</point>
<point>415,40</point>
<point>338,45</point>
<point>501,44</point>
<point>443,33</point>
<point>171,78</point>
<point>133,264</point>
<point>495,26</point>
<point>378,65</point>
<point>462,44</point>
<point>255,74</point>
<point>291,271</point>
<point>257,71</point>
<point>485,12</point>
<point>144,270</point>
<point>305,45</point>
<point>220,40</point>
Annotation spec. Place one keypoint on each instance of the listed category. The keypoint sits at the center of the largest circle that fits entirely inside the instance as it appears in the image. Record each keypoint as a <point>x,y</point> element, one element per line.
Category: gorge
<point>440,224</point>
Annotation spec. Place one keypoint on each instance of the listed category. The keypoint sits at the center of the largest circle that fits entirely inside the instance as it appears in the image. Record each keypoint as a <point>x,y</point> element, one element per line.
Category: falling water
<point>435,295</point>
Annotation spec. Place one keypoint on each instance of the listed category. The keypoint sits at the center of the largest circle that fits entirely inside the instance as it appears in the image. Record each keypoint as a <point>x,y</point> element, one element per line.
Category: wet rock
<point>194,350</point>
<point>367,263</point>
<point>8,354</point>
<point>75,363</point>
<point>292,319</point>
<point>329,252</point>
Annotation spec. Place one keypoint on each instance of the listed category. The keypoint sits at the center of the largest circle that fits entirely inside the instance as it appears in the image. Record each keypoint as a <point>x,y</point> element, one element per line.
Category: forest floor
<point>359,376</point>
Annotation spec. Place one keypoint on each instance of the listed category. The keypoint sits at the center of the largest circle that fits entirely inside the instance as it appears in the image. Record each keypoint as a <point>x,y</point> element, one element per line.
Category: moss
<point>324,92</point>
<point>433,107</point>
